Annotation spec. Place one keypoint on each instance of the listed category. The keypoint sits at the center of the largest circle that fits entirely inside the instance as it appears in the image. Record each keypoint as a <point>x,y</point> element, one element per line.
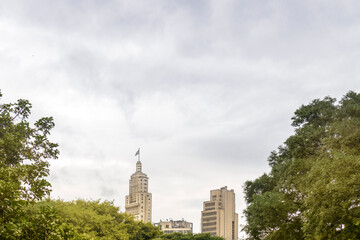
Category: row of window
<point>179,231</point>
<point>209,224</point>
<point>210,204</point>
<point>209,219</point>
<point>209,229</point>
<point>209,214</point>
<point>208,209</point>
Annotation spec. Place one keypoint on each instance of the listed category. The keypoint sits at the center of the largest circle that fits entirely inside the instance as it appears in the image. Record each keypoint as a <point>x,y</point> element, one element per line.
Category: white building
<point>179,226</point>
<point>138,202</point>
<point>218,216</point>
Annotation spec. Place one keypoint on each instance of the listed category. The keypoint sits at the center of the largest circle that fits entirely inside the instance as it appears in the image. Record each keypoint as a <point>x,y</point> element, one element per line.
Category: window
<point>209,204</point>
<point>209,224</point>
<point>209,229</point>
<point>209,214</point>
<point>209,219</point>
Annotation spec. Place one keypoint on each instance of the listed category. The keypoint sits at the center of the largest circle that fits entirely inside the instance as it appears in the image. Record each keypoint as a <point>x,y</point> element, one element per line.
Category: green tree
<point>190,236</point>
<point>332,200</point>
<point>313,188</point>
<point>24,166</point>
<point>42,222</point>
<point>101,220</point>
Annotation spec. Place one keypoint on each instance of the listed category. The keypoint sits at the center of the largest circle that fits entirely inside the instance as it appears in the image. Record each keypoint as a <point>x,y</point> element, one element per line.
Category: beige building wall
<point>180,226</point>
<point>218,216</point>
<point>139,200</point>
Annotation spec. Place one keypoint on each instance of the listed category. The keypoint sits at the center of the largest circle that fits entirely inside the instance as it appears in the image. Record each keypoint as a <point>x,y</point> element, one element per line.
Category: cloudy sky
<point>206,89</point>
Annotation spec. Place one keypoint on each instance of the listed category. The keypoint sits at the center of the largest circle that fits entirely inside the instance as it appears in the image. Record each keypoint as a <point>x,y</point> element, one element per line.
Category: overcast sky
<point>206,89</point>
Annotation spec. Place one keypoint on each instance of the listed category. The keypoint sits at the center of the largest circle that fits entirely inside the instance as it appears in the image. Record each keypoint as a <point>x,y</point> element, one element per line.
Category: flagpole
<point>138,154</point>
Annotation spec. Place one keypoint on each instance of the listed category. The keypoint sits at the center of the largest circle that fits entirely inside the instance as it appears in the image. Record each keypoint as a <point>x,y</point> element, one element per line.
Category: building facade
<point>218,216</point>
<point>179,226</point>
<point>139,200</point>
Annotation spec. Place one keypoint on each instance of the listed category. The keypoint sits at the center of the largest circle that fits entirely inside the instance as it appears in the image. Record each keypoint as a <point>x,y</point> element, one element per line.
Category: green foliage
<point>42,222</point>
<point>101,220</point>
<point>24,155</point>
<point>313,189</point>
<point>255,188</point>
<point>190,236</point>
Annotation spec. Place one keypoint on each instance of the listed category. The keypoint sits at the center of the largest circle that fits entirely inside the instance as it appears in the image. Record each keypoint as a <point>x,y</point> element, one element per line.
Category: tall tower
<point>218,216</point>
<point>138,202</point>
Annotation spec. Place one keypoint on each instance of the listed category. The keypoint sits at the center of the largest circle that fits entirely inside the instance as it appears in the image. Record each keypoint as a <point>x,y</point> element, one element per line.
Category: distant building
<point>218,216</point>
<point>138,202</point>
<point>179,226</point>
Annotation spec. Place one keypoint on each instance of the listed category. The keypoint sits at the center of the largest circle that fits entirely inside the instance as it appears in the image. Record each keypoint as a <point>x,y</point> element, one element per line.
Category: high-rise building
<point>218,216</point>
<point>179,226</point>
<point>138,202</point>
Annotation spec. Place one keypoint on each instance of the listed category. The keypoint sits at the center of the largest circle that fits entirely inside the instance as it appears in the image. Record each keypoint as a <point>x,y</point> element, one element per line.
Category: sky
<point>206,89</point>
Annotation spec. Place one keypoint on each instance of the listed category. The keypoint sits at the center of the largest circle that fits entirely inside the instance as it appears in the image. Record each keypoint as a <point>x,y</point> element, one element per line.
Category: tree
<point>100,220</point>
<point>332,200</point>
<point>24,166</point>
<point>42,221</point>
<point>190,236</point>
<point>313,188</point>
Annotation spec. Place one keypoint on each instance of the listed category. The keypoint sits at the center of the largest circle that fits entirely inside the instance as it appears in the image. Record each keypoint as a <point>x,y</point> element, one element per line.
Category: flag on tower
<point>137,152</point>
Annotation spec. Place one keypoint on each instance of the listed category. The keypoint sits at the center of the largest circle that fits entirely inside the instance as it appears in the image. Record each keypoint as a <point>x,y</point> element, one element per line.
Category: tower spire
<point>138,164</point>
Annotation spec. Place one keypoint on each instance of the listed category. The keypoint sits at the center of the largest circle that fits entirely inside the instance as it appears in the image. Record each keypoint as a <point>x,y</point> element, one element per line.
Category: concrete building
<point>218,216</point>
<point>171,226</point>
<point>138,202</point>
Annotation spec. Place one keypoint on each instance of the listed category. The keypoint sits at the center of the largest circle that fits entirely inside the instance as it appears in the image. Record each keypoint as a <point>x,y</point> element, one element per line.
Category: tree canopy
<point>88,220</point>
<point>313,188</point>
<point>24,154</point>
<point>190,236</point>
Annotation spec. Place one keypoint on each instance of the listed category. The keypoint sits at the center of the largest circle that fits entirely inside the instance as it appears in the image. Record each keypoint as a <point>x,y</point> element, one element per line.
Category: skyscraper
<point>218,216</point>
<point>138,202</point>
